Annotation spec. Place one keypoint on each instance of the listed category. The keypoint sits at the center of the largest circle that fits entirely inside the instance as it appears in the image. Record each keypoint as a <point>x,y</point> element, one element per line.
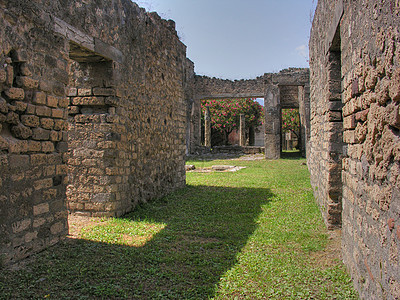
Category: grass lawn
<point>252,234</point>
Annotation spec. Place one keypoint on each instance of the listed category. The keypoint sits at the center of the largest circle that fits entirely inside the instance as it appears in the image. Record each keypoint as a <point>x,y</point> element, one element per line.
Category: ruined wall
<point>325,156</point>
<point>207,87</point>
<point>122,74</point>
<point>33,137</point>
<point>291,89</point>
<point>359,63</point>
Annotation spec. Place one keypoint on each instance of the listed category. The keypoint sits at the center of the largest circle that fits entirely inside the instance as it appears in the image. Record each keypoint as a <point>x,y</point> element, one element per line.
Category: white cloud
<point>302,50</point>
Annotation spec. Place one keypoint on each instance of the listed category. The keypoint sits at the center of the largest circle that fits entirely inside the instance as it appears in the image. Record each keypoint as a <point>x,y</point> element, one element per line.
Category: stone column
<point>207,128</point>
<point>302,112</point>
<point>272,111</point>
<point>242,130</point>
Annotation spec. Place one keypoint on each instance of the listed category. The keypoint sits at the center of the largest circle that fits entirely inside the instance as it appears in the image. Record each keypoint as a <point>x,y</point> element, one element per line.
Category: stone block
<point>43,184</point>
<point>3,76</point>
<point>39,98</point>
<point>60,124</point>
<point>30,236</point>
<point>46,123</point>
<point>38,222</point>
<point>57,113</point>
<point>52,101</point>
<point>30,109</point>
<point>47,147</point>
<point>20,56</point>
<point>17,146</point>
<point>72,92</point>
<point>349,137</point>
<point>20,131</point>
<point>41,209</point>
<point>41,134</point>
<point>34,146</point>
<point>12,118</point>
<point>27,82</point>
<point>349,122</point>
<point>43,111</point>
<point>88,101</point>
<point>10,75</point>
<point>26,69</point>
<point>394,88</point>
<point>58,88</point>
<point>20,106</point>
<point>362,115</point>
<point>3,106</point>
<point>20,226</point>
<point>73,110</point>
<point>63,102</point>
<point>84,92</point>
<point>15,93</point>
<point>55,136</point>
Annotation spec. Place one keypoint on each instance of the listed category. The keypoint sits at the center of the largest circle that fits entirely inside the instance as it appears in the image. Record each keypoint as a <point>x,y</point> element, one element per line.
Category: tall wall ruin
<point>92,115</point>
<point>354,146</point>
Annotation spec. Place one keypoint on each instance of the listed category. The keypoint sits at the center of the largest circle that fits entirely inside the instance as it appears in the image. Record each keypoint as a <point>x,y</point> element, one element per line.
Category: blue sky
<point>237,39</point>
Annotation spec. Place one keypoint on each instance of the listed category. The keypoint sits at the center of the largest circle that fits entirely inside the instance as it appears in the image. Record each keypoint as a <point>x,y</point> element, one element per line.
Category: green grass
<point>253,234</point>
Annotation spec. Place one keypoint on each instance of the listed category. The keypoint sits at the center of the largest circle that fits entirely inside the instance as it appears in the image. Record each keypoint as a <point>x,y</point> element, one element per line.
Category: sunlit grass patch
<point>122,232</point>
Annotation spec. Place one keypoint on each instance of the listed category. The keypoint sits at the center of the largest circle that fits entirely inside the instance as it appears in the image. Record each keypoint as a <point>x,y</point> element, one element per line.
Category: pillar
<point>302,112</point>
<point>242,130</point>
<point>207,128</point>
<point>272,111</point>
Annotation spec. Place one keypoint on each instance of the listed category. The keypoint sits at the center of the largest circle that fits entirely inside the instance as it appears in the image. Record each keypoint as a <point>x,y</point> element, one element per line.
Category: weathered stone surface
<point>22,132</point>
<point>15,93</point>
<point>368,184</point>
<point>39,98</point>
<point>127,133</point>
<point>27,82</point>
<point>3,106</point>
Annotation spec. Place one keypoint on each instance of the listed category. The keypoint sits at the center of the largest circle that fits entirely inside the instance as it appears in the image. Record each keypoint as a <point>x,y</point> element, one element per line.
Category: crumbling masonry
<point>354,148</point>
<point>92,115</point>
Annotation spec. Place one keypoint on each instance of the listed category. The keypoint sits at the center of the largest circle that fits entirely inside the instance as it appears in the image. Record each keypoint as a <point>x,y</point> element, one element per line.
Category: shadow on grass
<point>205,228</point>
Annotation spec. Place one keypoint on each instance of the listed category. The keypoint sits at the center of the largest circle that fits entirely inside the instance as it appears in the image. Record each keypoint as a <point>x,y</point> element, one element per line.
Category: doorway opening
<point>225,117</point>
<point>290,124</point>
<point>91,135</point>
<point>336,147</point>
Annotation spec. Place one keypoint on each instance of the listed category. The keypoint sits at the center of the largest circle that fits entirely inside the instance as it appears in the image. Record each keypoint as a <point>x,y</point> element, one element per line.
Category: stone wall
<point>355,178</point>
<point>207,87</point>
<point>92,115</point>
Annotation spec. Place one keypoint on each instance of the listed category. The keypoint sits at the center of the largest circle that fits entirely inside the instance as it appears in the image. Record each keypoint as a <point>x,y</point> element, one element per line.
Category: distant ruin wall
<point>207,87</point>
<point>292,91</point>
<point>354,148</point>
<point>92,115</point>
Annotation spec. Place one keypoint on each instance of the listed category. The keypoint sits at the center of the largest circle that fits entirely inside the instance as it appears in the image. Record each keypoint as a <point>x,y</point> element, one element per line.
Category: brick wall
<point>33,137</point>
<point>359,171</point>
<point>92,115</point>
